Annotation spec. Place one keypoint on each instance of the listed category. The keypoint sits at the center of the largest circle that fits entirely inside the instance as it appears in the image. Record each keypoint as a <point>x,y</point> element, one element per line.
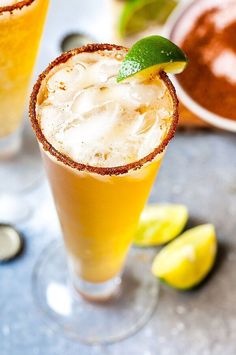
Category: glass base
<point>11,144</point>
<point>95,292</point>
<point>133,301</point>
<point>20,162</point>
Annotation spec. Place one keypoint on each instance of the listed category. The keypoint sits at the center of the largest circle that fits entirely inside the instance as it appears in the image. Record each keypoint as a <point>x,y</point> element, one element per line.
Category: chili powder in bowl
<point>206,31</point>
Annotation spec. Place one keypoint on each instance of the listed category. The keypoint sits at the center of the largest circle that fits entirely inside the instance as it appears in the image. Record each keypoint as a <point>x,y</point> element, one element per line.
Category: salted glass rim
<point>17,6</point>
<point>63,158</point>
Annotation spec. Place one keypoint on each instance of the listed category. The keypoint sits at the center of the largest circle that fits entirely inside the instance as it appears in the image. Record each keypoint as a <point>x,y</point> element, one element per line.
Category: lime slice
<point>159,224</point>
<point>150,55</point>
<point>186,261</point>
<point>137,15</point>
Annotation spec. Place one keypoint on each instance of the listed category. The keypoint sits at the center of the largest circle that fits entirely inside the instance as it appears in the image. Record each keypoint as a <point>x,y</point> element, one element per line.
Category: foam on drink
<point>9,2</point>
<point>85,114</point>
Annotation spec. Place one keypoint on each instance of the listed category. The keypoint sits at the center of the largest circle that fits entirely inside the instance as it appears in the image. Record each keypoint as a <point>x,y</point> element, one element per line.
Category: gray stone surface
<point>199,170</point>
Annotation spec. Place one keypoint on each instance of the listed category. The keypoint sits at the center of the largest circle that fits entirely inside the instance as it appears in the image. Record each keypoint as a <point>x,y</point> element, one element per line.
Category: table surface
<point>200,171</point>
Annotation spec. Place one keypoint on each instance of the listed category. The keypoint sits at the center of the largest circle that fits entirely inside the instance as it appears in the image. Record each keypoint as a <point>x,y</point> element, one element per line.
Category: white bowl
<point>171,31</point>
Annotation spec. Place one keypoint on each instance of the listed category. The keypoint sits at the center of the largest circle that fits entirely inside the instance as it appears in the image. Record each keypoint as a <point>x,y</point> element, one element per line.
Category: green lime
<point>150,55</point>
<point>186,261</point>
<point>160,223</point>
<point>137,15</point>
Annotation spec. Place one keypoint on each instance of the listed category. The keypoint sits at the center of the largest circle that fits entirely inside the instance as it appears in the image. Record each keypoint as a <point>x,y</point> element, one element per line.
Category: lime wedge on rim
<point>160,223</point>
<point>137,15</point>
<point>150,55</point>
<point>186,261</point>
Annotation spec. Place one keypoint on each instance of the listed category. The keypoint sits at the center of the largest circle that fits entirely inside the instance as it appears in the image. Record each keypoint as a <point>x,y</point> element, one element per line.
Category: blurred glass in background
<point>21,27</point>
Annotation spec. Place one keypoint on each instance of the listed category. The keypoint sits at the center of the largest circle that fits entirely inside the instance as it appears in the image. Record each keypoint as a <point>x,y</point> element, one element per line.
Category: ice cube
<point>63,85</point>
<point>83,102</point>
<point>147,122</point>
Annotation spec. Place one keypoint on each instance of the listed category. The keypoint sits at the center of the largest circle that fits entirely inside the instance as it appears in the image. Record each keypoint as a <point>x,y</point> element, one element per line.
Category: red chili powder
<point>203,44</point>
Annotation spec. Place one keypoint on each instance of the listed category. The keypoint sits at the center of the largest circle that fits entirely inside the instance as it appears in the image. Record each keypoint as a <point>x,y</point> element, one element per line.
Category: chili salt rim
<point>118,170</point>
<point>18,6</point>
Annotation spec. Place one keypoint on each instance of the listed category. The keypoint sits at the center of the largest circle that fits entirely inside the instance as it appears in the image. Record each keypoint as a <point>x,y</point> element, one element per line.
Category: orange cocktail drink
<point>102,143</point>
<point>21,24</point>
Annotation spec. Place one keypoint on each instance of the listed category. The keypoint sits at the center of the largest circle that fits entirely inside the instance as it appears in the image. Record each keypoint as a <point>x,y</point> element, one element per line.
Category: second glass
<point>21,26</point>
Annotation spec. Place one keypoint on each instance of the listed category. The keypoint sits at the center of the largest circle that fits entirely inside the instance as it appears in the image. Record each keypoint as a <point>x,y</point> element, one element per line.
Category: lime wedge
<point>186,261</point>
<point>159,224</point>
<point>150,55</point>
<point>137,15</point>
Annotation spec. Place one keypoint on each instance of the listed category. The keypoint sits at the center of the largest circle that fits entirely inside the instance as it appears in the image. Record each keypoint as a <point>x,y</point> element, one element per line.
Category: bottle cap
<point>74,40</point>
<point>10,242</point>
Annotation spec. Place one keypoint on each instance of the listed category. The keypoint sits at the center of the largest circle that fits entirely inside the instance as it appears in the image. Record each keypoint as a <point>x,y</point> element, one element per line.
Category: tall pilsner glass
<point>102,144</point>
<point>21,25</point>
